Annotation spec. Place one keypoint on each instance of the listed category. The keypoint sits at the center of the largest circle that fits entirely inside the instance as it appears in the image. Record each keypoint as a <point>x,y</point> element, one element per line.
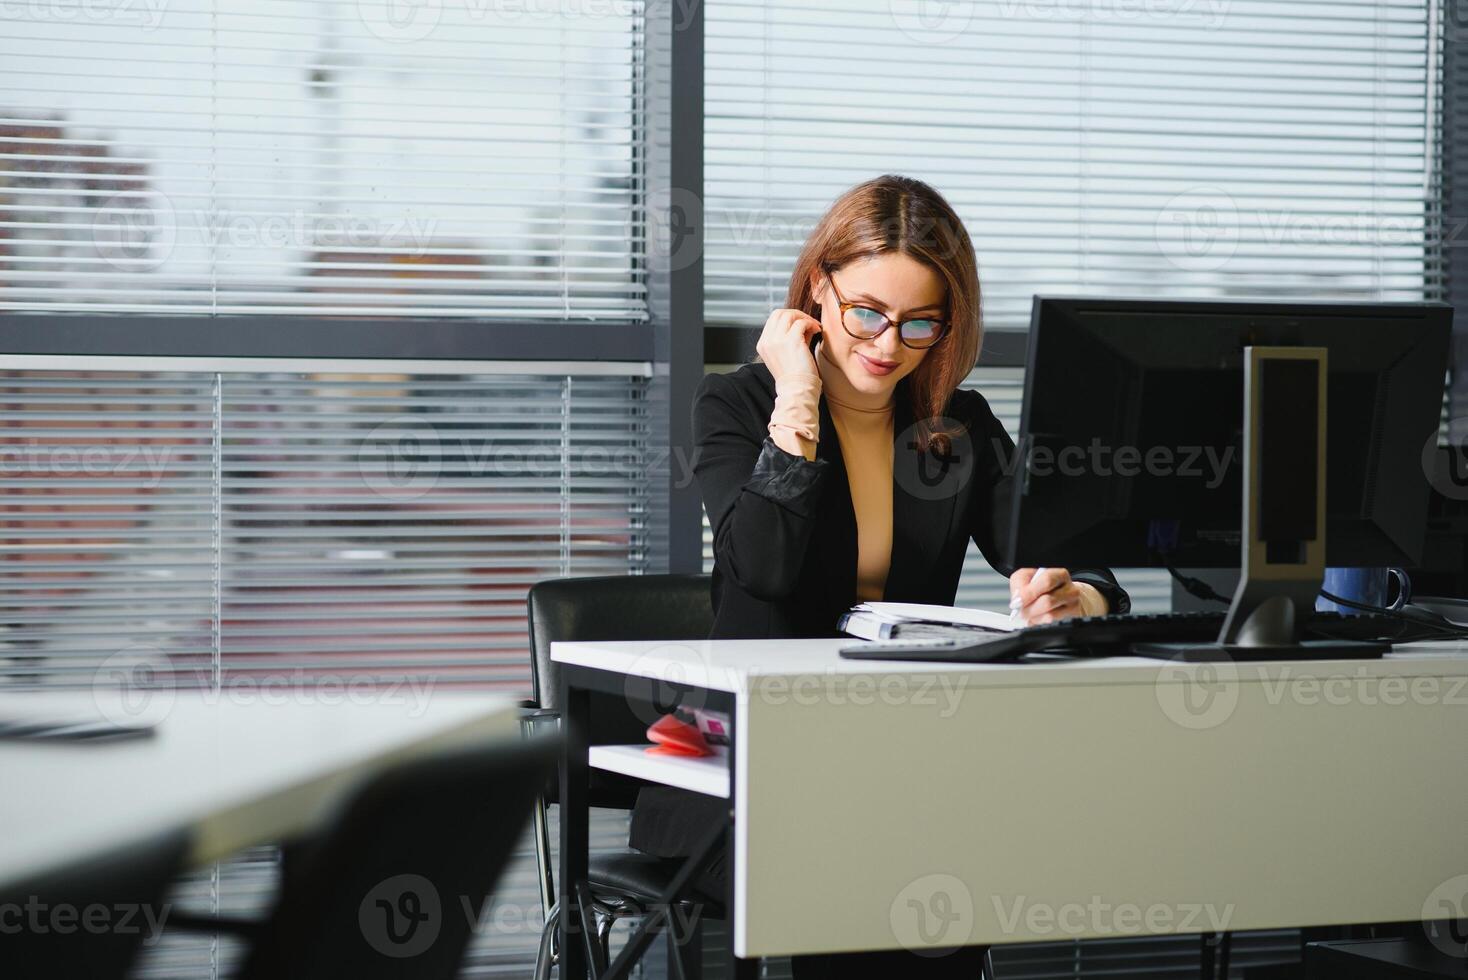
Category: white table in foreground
<point>233,772</point>
<point>888,804</point>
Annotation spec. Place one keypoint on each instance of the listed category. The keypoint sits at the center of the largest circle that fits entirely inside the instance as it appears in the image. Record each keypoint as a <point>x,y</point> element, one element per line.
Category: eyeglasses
<point>865,323</point>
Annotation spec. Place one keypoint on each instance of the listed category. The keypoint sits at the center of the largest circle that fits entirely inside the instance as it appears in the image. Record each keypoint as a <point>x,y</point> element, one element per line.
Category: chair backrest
<point>612,607</point>
<point>130,885</point>
<point>395,887</point>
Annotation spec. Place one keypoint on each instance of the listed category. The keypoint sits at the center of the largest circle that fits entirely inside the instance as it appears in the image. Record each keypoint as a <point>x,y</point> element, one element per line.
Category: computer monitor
<point>1277,438</point>
<point>1111,381</point>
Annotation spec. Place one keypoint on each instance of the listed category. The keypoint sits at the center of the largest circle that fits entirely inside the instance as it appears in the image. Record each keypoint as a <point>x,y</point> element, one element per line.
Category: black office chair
<point>130,885</point>
<point>631,607</point>
<point>396,886</point>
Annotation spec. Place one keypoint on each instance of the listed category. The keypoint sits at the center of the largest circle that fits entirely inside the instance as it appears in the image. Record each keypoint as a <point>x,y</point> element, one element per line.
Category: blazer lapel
<point>838,531</point>
<point>922,508</point>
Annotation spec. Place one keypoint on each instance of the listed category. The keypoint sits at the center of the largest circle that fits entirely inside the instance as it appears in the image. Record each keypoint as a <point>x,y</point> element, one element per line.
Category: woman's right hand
<point>784,344</point>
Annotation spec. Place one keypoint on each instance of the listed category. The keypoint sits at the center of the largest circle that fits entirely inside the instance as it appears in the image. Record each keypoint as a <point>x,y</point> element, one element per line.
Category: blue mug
<point>1368,586</point>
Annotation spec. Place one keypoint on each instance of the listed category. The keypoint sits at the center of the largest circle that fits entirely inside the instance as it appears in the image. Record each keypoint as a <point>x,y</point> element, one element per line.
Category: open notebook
<point>891,620</point>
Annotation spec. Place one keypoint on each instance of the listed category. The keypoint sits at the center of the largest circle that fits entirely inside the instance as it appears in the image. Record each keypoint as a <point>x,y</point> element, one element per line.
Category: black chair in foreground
<point>626,607</point>
<point>396,886</point>
<point>92,918</point>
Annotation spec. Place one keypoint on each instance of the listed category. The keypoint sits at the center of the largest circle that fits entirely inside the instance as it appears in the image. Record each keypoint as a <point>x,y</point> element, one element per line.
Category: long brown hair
<point>902,214</point>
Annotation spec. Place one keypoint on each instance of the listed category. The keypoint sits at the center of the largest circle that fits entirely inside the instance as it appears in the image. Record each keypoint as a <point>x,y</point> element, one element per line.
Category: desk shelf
<point>708,775</point>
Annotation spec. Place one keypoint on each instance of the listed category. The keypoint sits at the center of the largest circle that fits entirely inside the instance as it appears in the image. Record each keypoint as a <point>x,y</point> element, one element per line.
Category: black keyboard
<point>1106,636</point>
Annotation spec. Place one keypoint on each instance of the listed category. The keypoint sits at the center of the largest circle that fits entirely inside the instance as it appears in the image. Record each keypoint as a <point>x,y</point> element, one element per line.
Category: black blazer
<point>785,530</point>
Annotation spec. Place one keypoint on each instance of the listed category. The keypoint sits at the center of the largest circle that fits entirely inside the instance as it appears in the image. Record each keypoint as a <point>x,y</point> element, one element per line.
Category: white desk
<point>888,805</point>
<point>233,773</point>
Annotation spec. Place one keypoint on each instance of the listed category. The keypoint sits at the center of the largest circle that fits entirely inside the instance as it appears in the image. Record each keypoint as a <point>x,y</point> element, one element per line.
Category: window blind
<point>328,522</point>
<point>1261,148</point>
<point>295,156</point>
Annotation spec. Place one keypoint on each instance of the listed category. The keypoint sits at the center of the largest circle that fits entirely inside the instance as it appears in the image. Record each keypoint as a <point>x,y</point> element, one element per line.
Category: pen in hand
<point>1014,602</point>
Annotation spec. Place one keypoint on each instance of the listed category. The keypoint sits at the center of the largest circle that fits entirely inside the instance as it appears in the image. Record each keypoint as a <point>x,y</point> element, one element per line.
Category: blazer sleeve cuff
<point>1118,601</point>
<point>793,482</point>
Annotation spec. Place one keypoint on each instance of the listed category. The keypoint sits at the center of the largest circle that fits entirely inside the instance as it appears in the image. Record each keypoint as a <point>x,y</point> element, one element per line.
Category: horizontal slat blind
<point>372,526</point>
<point>299,156</point>
<point>1255,148</point>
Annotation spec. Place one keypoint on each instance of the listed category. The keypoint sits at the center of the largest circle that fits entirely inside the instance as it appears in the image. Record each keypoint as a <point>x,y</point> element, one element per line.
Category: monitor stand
<point>1283,561</point>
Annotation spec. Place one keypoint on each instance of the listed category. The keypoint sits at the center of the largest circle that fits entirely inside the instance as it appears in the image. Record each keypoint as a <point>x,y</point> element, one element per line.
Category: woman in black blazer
<point>785,535</point>
<point>848,464</point>
<point>781,505</point>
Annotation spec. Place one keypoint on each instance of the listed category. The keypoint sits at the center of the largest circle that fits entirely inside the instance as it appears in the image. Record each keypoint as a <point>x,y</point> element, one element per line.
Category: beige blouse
<point>866,435</point>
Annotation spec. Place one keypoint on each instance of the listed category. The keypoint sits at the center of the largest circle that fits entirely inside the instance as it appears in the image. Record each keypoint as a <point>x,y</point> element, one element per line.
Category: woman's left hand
<point>1047,595</point>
